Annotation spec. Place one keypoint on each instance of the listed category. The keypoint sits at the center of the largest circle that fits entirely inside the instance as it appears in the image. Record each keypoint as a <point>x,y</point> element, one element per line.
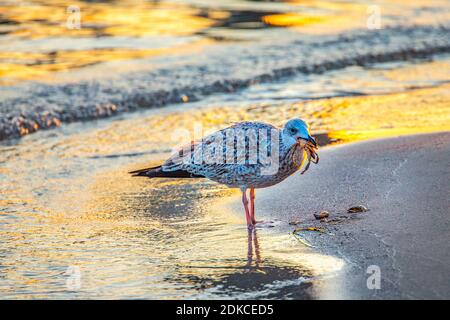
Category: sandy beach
<point>404,183</point>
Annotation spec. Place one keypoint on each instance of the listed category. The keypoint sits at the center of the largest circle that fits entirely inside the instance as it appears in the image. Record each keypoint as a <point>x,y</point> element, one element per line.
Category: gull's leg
<point>245,203</point>
<point>252,205</point>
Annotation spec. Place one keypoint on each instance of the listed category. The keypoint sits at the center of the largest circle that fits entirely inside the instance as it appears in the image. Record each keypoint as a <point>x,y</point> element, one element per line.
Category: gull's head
<point>297,131</point>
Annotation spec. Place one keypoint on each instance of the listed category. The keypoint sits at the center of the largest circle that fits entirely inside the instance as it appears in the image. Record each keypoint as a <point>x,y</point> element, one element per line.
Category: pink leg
<point>252,205</point>
<point>247,213</point>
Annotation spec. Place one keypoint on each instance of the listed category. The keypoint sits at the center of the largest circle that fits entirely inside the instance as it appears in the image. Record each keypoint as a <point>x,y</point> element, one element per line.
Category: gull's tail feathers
<point>157,172</point>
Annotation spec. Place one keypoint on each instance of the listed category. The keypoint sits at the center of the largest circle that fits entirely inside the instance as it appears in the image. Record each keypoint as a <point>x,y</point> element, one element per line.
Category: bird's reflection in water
<point>251,278</point>
<point>252,239</point>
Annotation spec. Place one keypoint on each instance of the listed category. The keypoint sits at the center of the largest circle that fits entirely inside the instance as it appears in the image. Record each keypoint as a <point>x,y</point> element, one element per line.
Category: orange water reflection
<point>39,42</point>
<point>41,19</point>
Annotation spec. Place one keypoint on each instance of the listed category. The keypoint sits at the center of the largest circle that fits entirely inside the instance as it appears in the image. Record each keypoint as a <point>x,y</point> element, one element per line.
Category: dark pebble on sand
<point>357,209</point>
<point>321,215</point>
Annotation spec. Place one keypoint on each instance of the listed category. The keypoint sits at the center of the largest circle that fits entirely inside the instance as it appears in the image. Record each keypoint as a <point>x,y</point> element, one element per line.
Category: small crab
<point>311,153</point>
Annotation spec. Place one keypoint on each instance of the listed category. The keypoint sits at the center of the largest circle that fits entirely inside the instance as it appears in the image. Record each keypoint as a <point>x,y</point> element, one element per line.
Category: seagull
<point>247,155</point>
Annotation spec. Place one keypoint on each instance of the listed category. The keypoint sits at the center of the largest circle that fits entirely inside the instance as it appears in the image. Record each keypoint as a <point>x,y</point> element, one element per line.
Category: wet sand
<point>404,183</point>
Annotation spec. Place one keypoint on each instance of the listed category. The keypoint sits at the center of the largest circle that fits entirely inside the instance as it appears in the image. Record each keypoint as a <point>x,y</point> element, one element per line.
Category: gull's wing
<point>222,152</point>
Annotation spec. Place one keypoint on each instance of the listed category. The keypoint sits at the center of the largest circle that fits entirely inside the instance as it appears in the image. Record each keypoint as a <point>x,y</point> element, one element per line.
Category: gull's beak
<point>310,140</point>
<point>313,141</point>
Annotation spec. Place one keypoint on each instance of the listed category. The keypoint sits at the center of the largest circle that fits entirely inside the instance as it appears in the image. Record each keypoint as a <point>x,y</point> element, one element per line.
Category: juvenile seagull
<point>247,155</point>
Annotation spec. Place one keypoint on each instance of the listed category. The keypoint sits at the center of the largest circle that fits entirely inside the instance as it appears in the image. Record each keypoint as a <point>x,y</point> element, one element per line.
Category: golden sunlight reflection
<point>39,47</point>
<point>290,20</point>
<point>325,17</point>
<point>338,16</point>
<point>46,64</point>
<point>126,17</point>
